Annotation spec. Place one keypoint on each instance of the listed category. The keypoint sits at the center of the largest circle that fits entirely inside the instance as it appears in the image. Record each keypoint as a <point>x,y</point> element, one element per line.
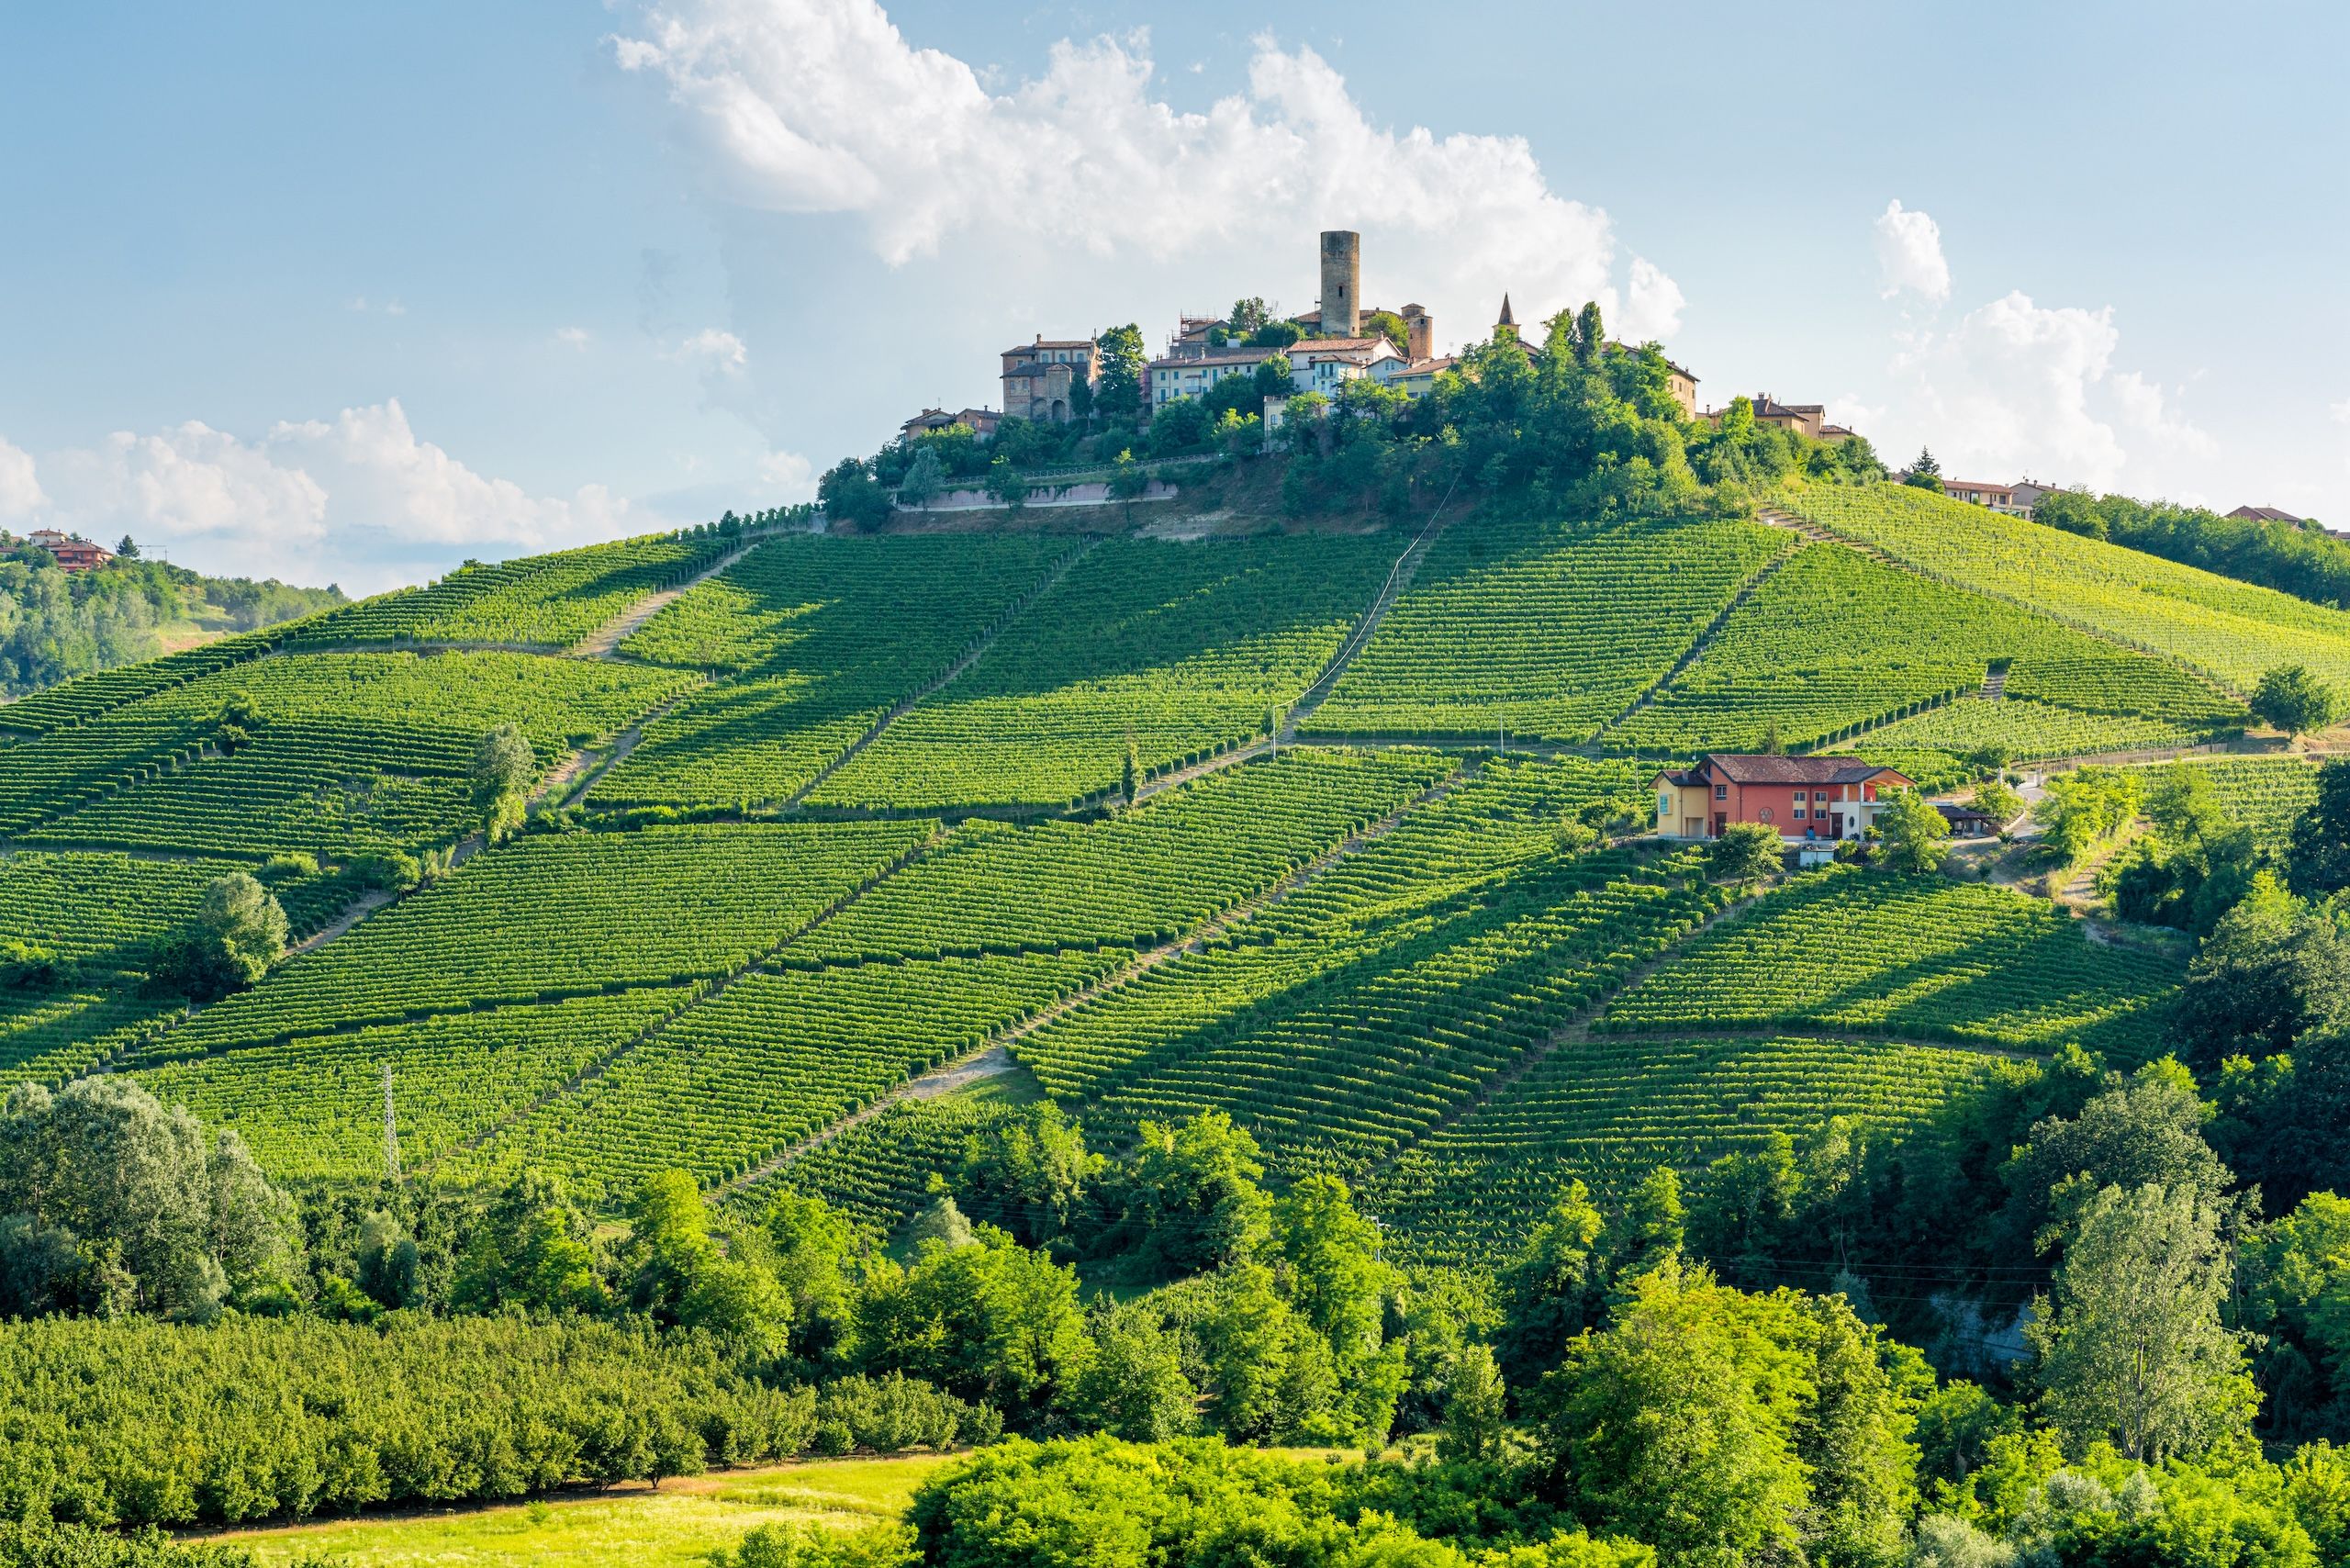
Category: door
<point>1836,823</point>
<point>1693,827</point>
<point>1721,821</point>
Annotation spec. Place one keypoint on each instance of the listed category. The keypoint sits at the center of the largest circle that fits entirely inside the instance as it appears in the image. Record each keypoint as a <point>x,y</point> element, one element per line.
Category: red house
<point>72,555</point>
<point>1806,797</point>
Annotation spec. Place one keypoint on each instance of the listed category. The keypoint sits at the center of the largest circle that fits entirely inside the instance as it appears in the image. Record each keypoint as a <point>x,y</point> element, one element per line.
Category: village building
<point>1997,497</point>
<point>2023,496</point>
<point>71,553</point>
<point>2264,514</point>
<point>1968,822</point>
<point>1040,378</point>
<point>1806,799</point>
<point>981,421</point>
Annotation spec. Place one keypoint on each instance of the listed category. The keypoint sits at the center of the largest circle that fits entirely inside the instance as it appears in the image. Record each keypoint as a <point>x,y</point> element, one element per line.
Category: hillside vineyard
<point>1151,827</point>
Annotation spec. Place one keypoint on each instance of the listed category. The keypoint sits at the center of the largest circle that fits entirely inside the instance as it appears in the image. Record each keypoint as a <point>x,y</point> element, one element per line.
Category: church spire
<point>1506,318</point>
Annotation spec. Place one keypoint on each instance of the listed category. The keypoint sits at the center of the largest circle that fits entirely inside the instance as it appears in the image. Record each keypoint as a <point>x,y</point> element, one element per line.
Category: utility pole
<point>391,1129</point>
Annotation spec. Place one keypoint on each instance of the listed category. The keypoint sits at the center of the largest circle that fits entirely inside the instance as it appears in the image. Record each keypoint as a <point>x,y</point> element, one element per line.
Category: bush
<point>1744,852</point>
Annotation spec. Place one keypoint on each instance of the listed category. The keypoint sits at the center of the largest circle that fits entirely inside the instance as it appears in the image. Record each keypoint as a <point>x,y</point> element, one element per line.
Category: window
<point>1722,791</point>
<point>1800,812</point>
<point>1663,804</point>
<point>1800,798</point>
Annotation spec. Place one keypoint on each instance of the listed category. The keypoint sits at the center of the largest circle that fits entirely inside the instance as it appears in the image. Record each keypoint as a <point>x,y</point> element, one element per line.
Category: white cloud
<point>1909,252</point>
<point>2015,386</point>
<point>2146,407</point>
<point>823,107</point>
<point>572,337</point>
<point>1652,304</point>
<point>20,494</point>
<point>357,498</point>
<point>714,349</point>
<point>790,473</point>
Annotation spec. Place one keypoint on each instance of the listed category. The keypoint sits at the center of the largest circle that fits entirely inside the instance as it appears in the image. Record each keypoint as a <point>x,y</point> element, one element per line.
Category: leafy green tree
<point>2081,810</point>
<point>1915,836</point>
<point>2291,699</point>
<point>2272,971</point>
<point>1387,324</point>
<point>1925,473</point>
<point>1999,800</point>
<point>1742,852</point>
<point>809,1244</point>
<point>1249,313</point>
<point>1135,1386</point>
<point>852,498</point>
<point>1329,1269</point>
<point>122,1205</point>
<point>236,935</point>
<point>1269,1374</point>
<point>1128,479</point>
<point>390,1265</point>
<point>1673,1426</point>
<point>1476,1413</point>
<point>994,1321</point>
<point>501,772</point>
<point>680,1274</point>
<point>1591,335</point>
<point>1007,484</point>
<point>2318,861</point>
<point>1955,1425</point>
<point>1744,1205</point>
<point>1276,335</point>
<point>2145,1130</point>
<point>1117,388</point>
<point>531,1251</point>
<point>1546,1292</point>
<point>1189,1192</point>
<point>1033,1175</point>
<point>925,480</point>
<point>2133,1347</point>
<point>1274,376</point>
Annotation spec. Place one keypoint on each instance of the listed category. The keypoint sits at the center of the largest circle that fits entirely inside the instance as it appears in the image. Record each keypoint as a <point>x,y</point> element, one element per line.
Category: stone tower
<point>1341,283</point>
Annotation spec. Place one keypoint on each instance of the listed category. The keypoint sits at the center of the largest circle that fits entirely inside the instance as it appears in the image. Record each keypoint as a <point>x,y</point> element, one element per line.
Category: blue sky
<point>356,291</point>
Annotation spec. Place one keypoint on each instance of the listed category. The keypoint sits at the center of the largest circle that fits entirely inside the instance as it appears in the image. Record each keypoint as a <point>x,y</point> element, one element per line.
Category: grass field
<point>637,1526</point>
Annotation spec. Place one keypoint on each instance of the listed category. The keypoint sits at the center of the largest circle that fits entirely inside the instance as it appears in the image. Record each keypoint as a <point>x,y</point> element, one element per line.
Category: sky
<point>355,292</point>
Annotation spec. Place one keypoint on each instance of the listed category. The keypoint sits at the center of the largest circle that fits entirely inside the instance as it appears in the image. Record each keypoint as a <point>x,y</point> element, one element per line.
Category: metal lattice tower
<point>391,1129</point>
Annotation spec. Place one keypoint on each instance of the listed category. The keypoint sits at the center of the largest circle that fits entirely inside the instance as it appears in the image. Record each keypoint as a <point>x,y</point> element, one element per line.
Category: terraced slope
<point>2227,629</point>
<point>1834,641</point>
<point>1917,957</point>
<point>1608,1112</point>
<point>817,638</point>
<point>1180,649</point>
<point>1549,632</point>
<point>349,753</point>
<point>550,915</point>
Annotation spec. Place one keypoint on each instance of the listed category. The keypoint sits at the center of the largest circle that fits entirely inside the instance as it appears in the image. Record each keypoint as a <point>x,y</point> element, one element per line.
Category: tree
<point>2132,1345</point>
<point>851,496</point>
<point>2291,699</point>
<point>1999,800</point>
<point>1673,1426</point>
<point>925,480</point>
<point>1387,324</point>
<point>2318,857</point>
<point>125,548</point>
<point>1007,484</point>
<point>1916,837</point>
<point>122,1205</point>
<point>2143,1130</point>
<point>1329,1270</point>
<point>236,935</point>
<point>1117,388</point>
<point>1591,335</point>
<point>1476,1408</point>
<point>2272,971</point>
<point>1033,1175</point>
<point>1276,335</point>
<point>1128,479</point>
<point>1274,376</point>
<point>1191,1194</point>
<point>1926,473</point>
<point>532,1251</point>
<point>993,1322</point>
<point>1546,1292</point>
<point>1249,313</point>
<point>678,1273</point>
<point>1135,1387</point>
<point>1744,852</point>
<point>808,1247</point>
<point>503,766</point>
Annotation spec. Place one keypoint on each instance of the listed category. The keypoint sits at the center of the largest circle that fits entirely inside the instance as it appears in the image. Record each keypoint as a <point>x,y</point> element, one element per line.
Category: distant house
<point>1997,497</point>
<point>2024,496</point>
<point>1969,821</point>
<point>981,421</point>
<point>1806,797</point>
<point>1417,378</point>
<point>1040,378</point>
<point>71,555</point>
<point>1191,374</point>
<point>1324,364</point>
<point>2264,514</point>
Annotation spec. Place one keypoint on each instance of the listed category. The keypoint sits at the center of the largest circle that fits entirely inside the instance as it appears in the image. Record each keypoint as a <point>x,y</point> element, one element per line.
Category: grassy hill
<point>816,815</point>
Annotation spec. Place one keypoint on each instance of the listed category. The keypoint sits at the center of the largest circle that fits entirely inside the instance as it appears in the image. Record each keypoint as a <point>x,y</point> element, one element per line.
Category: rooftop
<point>2264,514</point>
<point>1741,768</point>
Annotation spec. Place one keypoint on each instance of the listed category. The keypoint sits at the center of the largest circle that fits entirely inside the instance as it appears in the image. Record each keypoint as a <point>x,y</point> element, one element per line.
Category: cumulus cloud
<point>20,494</point>
<point>2017,386</point>
<point>714,349</point>
<point>353,498</point>
<point>824,107</point>
<point>1910,254</point>
<point>789,474</point>
<point>572,337</point>
<point>2146,407</point>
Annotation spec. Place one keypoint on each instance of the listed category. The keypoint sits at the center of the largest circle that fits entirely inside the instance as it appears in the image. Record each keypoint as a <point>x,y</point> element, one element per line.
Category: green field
<point>1387,952</point>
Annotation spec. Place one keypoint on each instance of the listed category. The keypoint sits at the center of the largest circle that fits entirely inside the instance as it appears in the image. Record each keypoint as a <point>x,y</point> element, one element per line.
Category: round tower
<point>1341,283</point>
